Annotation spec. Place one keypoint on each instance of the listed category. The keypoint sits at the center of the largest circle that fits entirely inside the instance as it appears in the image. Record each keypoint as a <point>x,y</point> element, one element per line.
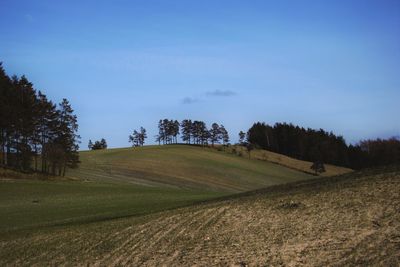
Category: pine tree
<point>134,138</point>
<point>90,145</point>
<point>186,130</point>
<point>176,130</point>
<point>67,136</point>
<point>142,136</point>
<point>214,133</point>
<point>242,136</point>
<point>224,135</point>
<point>5,110</point>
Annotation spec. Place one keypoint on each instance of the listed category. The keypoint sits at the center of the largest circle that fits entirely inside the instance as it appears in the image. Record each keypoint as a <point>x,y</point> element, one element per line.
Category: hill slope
<point>296,164</point>
<point>347,220</point>
<point>31,204</point>
<point>182,166</point>
<point>131,182</point>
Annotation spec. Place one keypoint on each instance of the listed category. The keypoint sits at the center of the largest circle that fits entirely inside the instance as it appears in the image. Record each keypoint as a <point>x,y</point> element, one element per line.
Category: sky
<point>124,64</point>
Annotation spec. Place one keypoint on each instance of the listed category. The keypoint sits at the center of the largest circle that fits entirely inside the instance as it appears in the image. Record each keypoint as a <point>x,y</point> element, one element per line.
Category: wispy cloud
<point>221,93</point>
<point>215,93</point>
<point>189,100</point>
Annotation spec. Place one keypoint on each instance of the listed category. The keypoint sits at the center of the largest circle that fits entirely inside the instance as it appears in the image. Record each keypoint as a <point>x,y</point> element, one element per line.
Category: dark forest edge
<point>321,146</point>
<point>35,134</point>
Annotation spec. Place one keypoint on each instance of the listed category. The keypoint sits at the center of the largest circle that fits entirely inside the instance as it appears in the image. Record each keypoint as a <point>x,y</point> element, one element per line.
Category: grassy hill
<point>32,204</point>
<point>182,166</point>
<point>143,185</point>
<point>296,164</point>
<point>131,182</point>
<point>347,220</point>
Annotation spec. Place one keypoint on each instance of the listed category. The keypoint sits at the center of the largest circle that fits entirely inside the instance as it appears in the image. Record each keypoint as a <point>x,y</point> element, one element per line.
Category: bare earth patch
<point>347,220</point>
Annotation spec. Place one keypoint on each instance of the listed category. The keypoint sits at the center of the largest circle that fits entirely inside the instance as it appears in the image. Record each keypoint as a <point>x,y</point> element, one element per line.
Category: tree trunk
<point>8,153</point>
<point>2,147</point>
<point>53,169</point>
<point>35,158</point>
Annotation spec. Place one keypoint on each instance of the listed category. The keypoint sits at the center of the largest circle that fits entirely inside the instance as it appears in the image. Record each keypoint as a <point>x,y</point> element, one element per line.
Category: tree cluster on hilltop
<point>321,146</point>
<point>192,132</point>
<point>102,144</point>
<point>168,131</point>
<point>33,128</point>
<point>138,137</point>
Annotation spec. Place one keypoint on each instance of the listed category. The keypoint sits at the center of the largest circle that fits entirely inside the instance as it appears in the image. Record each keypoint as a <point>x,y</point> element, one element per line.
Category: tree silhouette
<point>32,126</point>
<point>102,144</point>
<point>224,135</point>
<point>214,133</point>
<point>242,136</point>
<point>137,138</point>
<point>90,145</point>
<point>318,167</point>
<point>186,130</point>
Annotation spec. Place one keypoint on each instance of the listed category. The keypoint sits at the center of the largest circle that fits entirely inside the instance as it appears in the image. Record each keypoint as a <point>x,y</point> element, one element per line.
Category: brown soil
<point>351,220</point>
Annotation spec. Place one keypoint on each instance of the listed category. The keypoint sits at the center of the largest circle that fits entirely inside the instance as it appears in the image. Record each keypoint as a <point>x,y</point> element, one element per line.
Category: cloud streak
<point>223,93</point>
<point>189,100</point>
<point>215,93</point>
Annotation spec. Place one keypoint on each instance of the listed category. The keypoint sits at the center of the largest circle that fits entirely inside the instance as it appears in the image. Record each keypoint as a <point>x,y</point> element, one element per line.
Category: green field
<point>32,204</point>
<point>125,182</point>
<point>182,166</point>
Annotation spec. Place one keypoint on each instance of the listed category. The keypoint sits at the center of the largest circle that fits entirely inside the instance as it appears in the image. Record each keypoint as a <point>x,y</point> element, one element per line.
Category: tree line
<point>192,132</point>
<point>35,133</point>
<point>371,153</point>
<point>102,144</point>
<point>322,146</point>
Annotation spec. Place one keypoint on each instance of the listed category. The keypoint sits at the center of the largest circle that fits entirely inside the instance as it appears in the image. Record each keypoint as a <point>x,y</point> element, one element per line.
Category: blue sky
<point>126,64</point>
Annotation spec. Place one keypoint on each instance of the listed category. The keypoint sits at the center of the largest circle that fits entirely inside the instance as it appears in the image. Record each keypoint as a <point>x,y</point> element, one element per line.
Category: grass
<point>134,183</point>
<point>32,204</point>
<point>131,182</point>
<point>181,166</point>
<point>296,164</point>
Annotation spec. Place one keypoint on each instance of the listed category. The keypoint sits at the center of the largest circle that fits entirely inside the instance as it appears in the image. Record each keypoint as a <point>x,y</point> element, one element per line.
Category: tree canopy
<point>33,128</point>
<point>322,146</point>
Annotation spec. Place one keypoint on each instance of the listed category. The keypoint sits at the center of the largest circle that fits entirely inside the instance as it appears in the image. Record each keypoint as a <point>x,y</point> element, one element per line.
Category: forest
<point>35,133</point>
<point>321,146</point>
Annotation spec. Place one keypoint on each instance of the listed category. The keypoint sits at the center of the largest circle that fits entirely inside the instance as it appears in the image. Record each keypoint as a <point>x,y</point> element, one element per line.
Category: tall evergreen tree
<point>175,126</point>
<point>134,138</point>
<point>90,144</point>
<point>242,137</point>
<point>142,136</point>
<point>186,130</point>
<point>215,133</point>
<point>68,138</point>
<point>224,135</point>
<point>5,110</point>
